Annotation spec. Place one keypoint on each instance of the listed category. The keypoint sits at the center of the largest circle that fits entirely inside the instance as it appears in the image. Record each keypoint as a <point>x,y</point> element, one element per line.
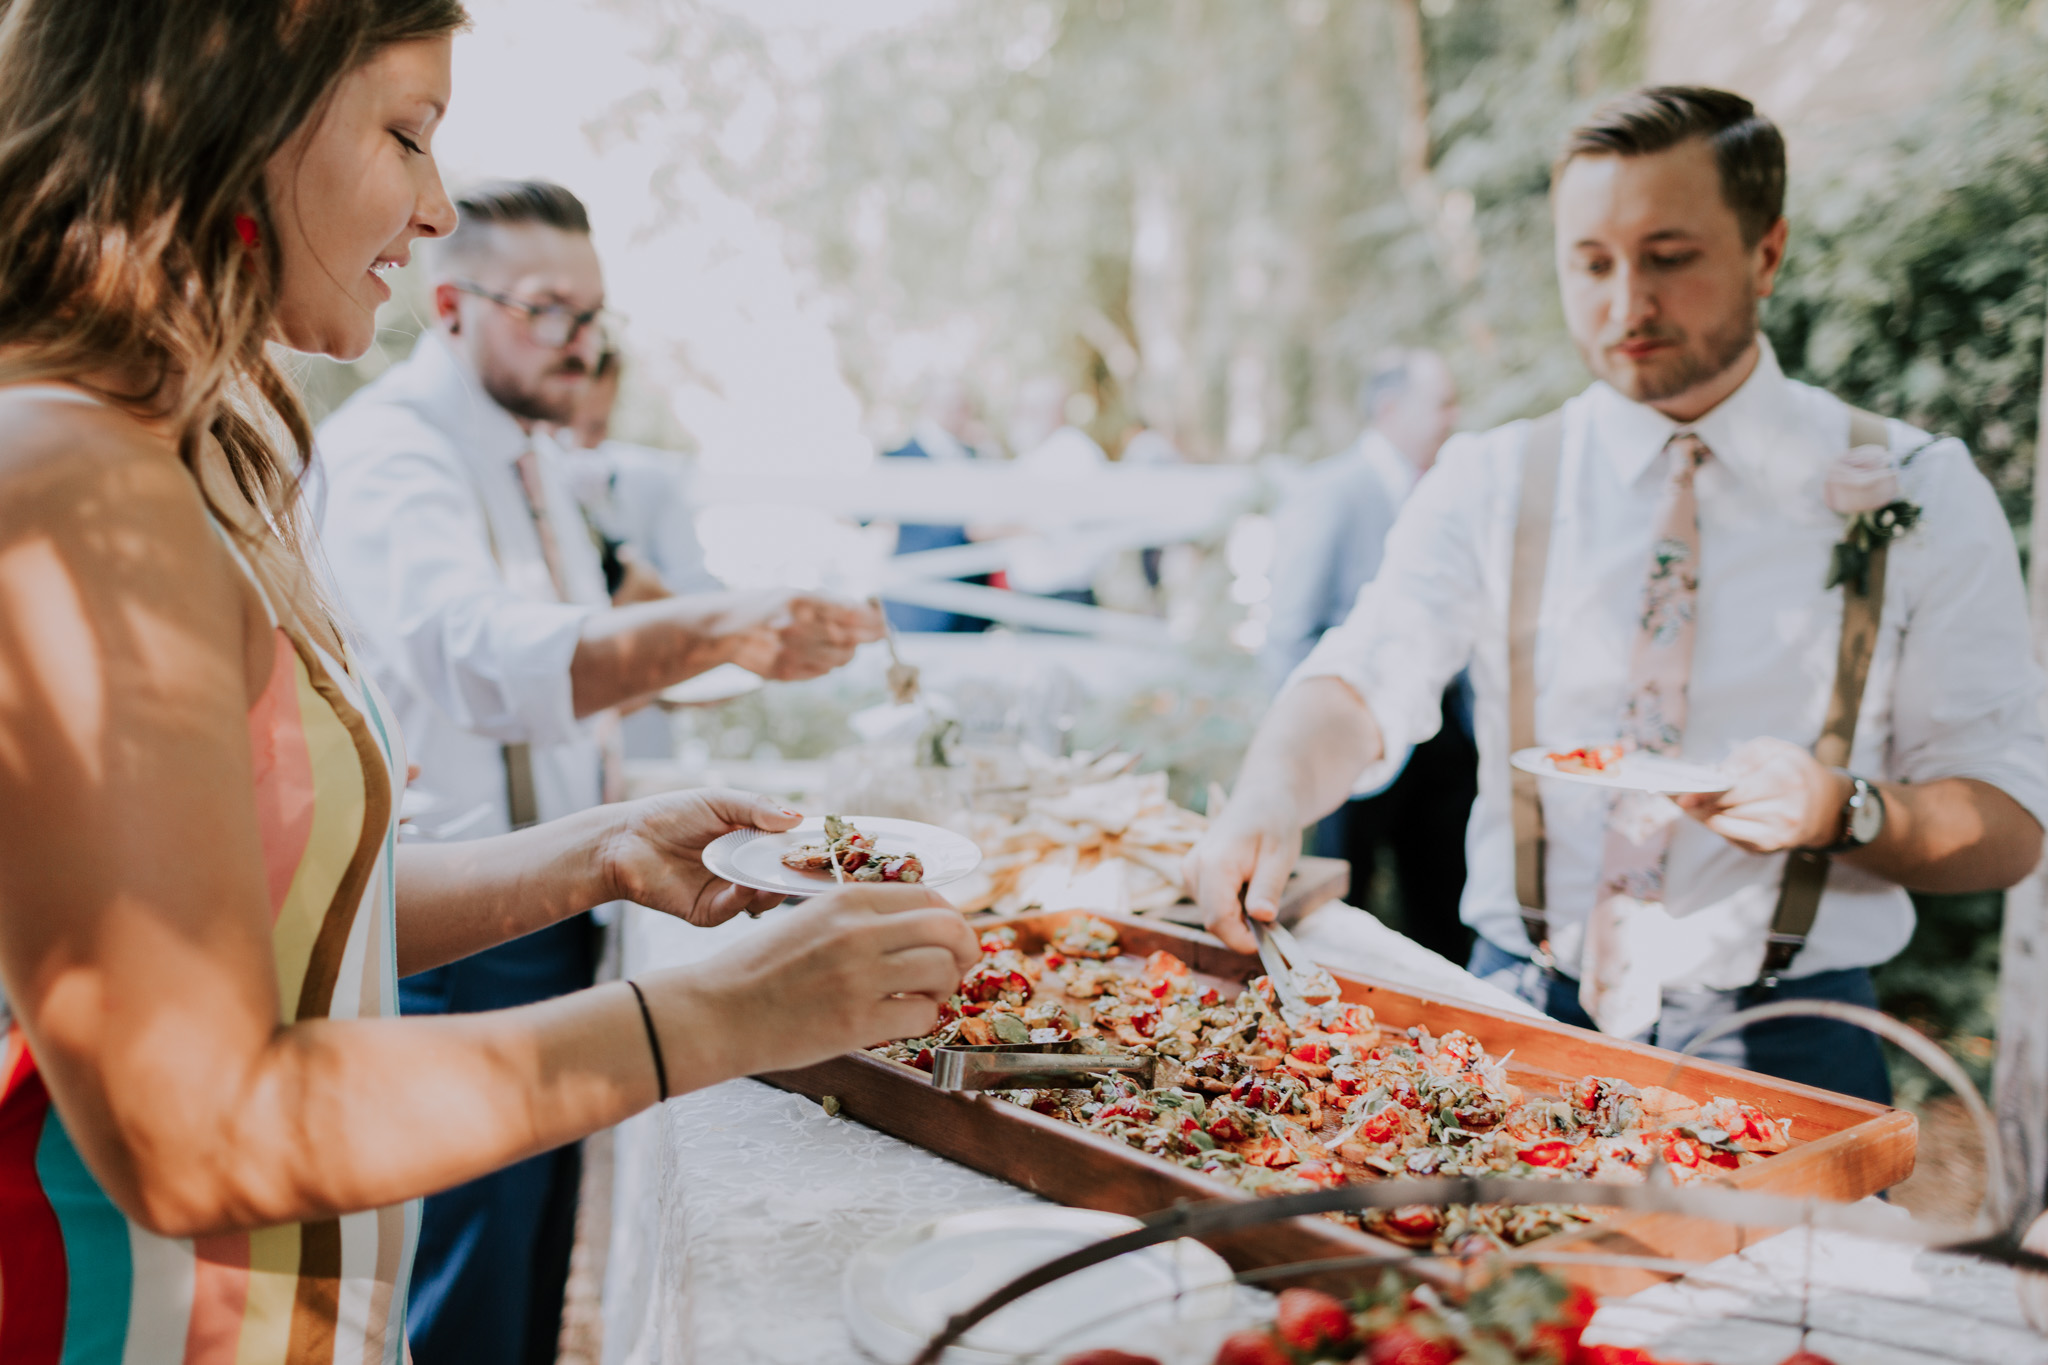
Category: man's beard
<point>532,404</point>
<point>1690,365</point>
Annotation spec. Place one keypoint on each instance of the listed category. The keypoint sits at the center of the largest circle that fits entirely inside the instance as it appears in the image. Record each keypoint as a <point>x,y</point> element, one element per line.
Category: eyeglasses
<point>553,325</point>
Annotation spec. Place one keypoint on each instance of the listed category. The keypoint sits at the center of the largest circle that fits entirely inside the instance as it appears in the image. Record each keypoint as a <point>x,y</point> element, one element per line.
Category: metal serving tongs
<point>1278,950</point>
<point>902,677</point>
<point>1033,1066</point>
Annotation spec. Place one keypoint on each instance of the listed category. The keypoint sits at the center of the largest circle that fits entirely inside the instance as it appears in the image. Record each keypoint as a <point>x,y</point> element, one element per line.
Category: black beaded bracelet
<point>653,1043</point>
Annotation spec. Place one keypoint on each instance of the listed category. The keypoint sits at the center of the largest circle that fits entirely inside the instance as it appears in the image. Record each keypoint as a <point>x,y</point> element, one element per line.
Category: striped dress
<point>82,1285</point>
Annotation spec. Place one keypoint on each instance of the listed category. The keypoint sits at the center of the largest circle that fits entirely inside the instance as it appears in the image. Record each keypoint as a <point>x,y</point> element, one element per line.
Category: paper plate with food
<point>834,850</point>
<point>1623,768</point>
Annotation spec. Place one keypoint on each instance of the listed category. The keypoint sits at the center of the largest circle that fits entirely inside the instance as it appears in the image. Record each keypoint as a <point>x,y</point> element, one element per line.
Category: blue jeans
<point>493,1258</point>
<point>1825,1053</point>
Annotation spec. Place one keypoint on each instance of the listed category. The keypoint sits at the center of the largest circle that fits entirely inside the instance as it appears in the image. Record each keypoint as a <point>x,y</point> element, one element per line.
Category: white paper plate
<point>753,857</point>
<point>1636,772</point>
<point>899,1290</point>
<point>722,683</point>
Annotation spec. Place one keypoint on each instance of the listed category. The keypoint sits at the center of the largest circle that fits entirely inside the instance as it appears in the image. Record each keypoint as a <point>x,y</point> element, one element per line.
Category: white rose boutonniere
<point>1862,484</point>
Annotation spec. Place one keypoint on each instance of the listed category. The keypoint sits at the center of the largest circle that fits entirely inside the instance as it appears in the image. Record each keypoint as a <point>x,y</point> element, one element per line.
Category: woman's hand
<point>654,852</point>
<point>846,970</point>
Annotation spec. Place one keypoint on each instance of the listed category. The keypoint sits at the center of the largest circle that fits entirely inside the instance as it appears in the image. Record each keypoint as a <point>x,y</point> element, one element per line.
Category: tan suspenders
<point>1806,872</point>
<point>522,802</point>
<point>1533,519</point>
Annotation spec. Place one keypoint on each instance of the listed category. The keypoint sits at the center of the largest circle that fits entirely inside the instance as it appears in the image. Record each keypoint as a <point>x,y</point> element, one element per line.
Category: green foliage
<point>1946,985</point>
<point>1916,282</point>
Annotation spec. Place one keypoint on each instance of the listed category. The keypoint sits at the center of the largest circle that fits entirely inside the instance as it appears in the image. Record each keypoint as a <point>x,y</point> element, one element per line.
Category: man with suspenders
<point>1698,557</point>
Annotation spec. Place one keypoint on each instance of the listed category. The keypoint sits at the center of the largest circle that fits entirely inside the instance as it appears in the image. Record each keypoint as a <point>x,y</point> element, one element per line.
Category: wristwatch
<point>1862,815</point>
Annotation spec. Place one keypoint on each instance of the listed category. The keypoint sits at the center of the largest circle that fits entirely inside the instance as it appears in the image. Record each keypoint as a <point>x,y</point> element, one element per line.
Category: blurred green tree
<point>1205,214</point>
<point>1916,283</point>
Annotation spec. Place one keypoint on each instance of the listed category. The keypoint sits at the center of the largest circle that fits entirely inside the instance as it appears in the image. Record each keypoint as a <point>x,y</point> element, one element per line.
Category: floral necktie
<point>528,467</point>
<point>1616,986</point>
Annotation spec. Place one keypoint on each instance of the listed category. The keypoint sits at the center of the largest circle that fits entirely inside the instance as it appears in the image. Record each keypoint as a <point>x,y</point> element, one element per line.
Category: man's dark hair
<point>510,203</point>
<point>1748,147</point>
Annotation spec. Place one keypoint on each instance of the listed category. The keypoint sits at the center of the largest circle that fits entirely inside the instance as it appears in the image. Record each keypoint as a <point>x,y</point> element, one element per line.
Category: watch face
<point>1866,815</point>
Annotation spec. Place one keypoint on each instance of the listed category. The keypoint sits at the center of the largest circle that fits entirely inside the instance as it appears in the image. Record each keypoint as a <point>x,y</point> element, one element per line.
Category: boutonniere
<point>1863,485</point>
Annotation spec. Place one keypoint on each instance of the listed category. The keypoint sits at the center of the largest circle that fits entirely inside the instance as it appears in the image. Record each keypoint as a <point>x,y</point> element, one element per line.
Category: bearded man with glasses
<point>465,562</point>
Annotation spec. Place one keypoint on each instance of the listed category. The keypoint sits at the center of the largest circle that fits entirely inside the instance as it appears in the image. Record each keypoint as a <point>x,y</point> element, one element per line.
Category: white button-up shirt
<point>433,548</point>
<point>1952,691</point>
<point>1332,529</point>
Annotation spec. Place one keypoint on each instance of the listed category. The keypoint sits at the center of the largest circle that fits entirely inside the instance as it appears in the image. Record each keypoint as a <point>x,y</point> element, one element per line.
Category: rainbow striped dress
<point>82,1285</point>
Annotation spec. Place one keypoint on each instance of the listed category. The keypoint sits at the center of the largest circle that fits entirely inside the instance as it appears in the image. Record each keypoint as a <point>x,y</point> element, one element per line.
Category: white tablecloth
<point>736,1208</point>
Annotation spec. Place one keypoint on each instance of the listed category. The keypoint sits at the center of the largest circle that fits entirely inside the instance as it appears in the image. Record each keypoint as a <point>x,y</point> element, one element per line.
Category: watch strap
<point>1863,790</point>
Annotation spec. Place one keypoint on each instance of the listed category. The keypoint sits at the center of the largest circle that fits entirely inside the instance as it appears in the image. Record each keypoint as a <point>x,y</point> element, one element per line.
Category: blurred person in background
<point>636,499</point>
<point>1332,527</point>
<point>939,436</point>
<point>214,1129</point>
<point>457,543</point>
<point>1332,532</point>
<point>636,507</point>
<point>1688,507</point>
<point>1050,444</point>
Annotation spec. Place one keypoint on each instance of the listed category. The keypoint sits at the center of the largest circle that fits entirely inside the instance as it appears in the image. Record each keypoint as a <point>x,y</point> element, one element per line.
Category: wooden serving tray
<point>1842,1148</point>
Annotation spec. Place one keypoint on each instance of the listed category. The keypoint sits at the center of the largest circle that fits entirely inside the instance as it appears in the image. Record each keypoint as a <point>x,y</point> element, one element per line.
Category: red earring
<point>245,228</point>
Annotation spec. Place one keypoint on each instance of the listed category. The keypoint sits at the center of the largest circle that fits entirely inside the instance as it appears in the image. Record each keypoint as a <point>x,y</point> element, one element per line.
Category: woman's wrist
<point>698,1042</point>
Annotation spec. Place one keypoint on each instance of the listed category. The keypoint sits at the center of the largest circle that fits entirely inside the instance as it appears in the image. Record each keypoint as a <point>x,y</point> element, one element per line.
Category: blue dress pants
<point>1818,1052</point>
<point>493,1257</point>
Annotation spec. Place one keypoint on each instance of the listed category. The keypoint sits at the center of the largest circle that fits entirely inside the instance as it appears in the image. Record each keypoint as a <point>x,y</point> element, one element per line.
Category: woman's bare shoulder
<point>108,497</point>
<point>65,457</point>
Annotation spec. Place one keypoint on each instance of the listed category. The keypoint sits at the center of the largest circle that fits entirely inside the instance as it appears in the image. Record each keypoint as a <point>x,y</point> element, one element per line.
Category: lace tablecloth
<point>736,1208</point>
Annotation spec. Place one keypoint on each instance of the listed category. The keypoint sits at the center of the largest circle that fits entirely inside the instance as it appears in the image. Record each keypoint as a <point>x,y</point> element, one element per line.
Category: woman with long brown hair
<point>210,1127</point>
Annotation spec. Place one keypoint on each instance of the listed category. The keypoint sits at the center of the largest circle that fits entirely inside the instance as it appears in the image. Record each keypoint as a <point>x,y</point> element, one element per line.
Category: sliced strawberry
<point>1682,1151</point>
<point>1614,1355</point>
<point>1350,1019</point>
<point>1320,1173</point>
<point>1403,1345</point>
<point>1251,1348</point>
<point>1381,1127</point>
<point>1308,1318</point>
<point>1580,1303</point>
<point>1104,1355</point>
<point>1547,1154</point>
<point>1225,1128</point>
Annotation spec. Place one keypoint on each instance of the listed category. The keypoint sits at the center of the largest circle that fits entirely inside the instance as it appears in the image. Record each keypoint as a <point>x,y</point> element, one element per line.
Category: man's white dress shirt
<point>1332,533</point>
<point>432,544</point>
<point>1953,690</point>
